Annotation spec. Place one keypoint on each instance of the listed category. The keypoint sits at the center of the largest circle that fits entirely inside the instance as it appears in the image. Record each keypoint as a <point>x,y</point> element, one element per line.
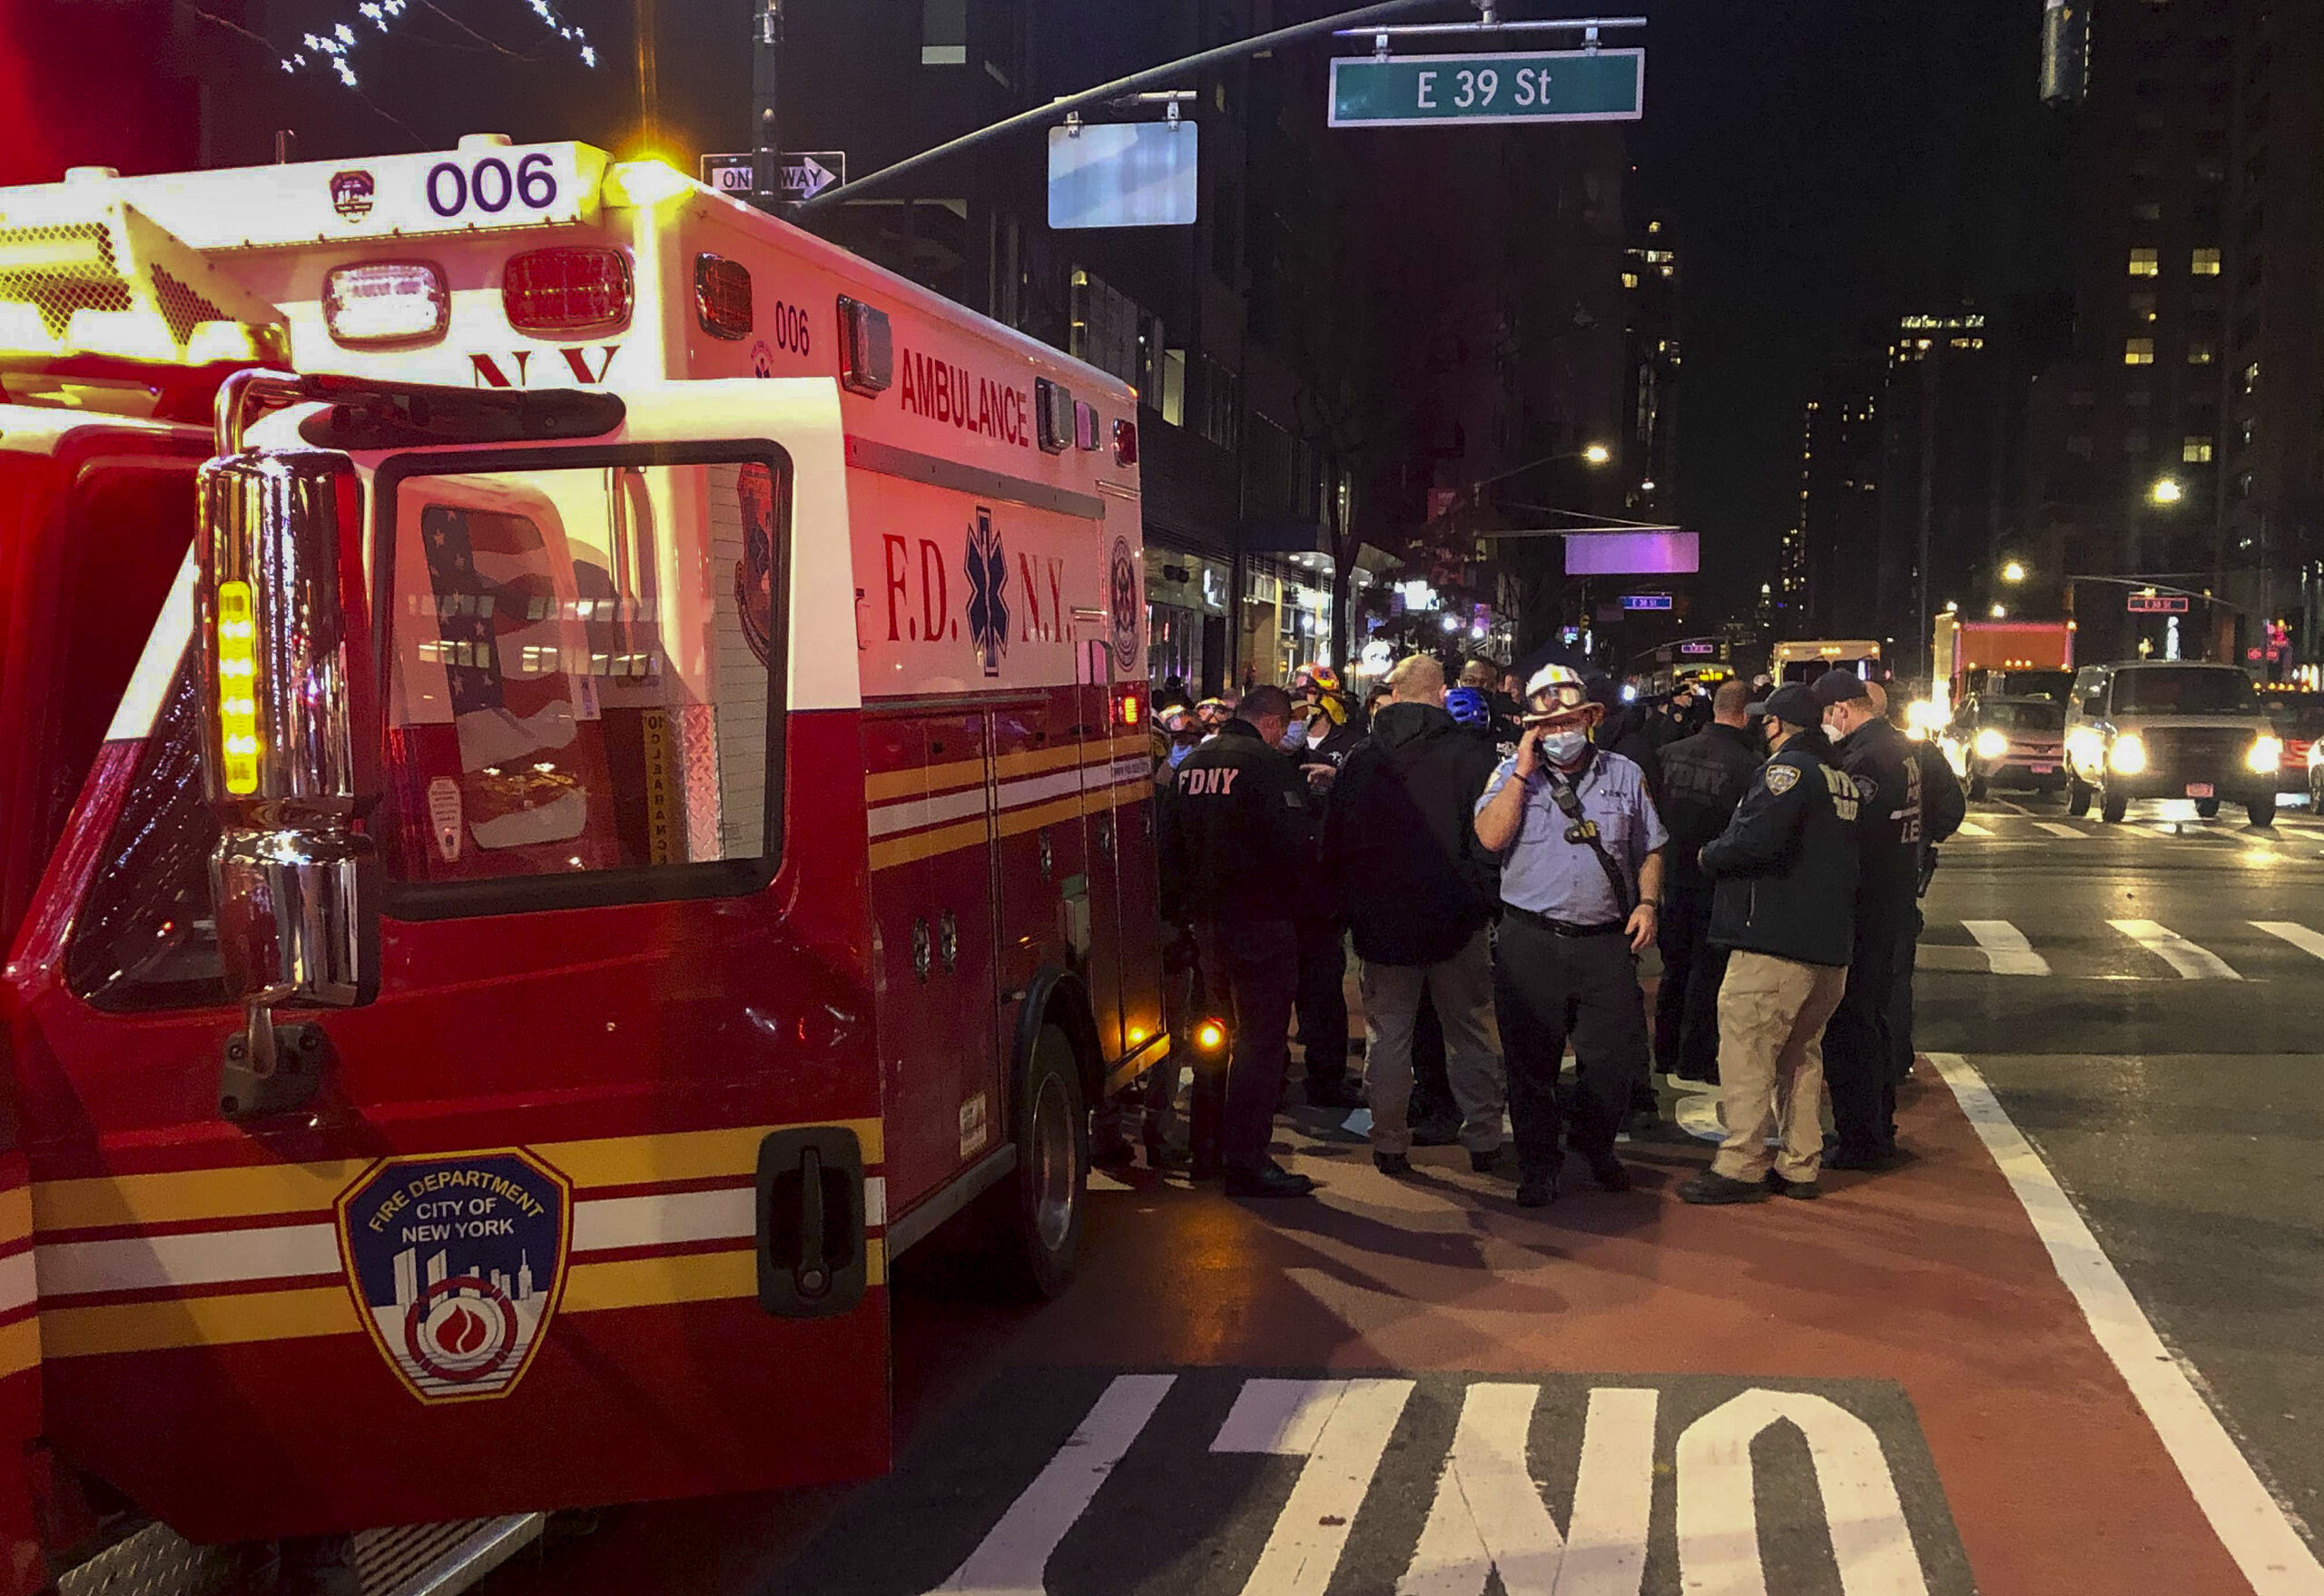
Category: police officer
<point>1943,806</point>
<point>1581,850</point>
<point>1237,819</point>
<point>1786,868</point>
<point>1704,776</point>
<point>1859,1046</point>
<point>1326,730</point>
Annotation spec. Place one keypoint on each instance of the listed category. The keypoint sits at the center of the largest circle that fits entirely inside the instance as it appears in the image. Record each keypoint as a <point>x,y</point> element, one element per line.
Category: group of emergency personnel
<point>1499,860</point>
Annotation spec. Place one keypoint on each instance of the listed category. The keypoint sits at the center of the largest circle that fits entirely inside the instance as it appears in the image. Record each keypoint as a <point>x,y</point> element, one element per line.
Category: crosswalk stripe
<point>1969,828</point>
<point>2059,828</point>
<point>2298,935</point>
<point>2192,961</point>
<point>2006,949</point>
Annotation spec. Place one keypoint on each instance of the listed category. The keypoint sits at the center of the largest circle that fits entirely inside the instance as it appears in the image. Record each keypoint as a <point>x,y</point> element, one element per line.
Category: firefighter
<point>1861,1046</point>
<point>1703,778</point>
<point>1580,851</point>
<point>1786,875</point>
<point>1238,818</point>
<point>1325,733</point>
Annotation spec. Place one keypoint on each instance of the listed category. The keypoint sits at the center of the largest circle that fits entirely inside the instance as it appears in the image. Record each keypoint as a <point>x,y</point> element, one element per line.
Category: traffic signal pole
<point>767,132</point>
<point>1170,75</point>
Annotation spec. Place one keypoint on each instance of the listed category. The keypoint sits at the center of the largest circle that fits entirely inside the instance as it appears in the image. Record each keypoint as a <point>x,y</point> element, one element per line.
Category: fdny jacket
<point>1786,867</point>
<point>1703,778</point>
<point>1236,836</point>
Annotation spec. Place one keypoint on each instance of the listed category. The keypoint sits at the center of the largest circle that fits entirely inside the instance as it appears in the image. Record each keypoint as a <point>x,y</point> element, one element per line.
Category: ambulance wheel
<point>1037,1208</point>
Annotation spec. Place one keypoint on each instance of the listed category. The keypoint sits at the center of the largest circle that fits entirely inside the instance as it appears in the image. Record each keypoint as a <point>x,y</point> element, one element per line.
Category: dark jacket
<point>1401,842</point>
<point>1785,866</point>
<point>1623,731</point>
<point>1703,778</point>
<point>1338,743</point>
<point>1237,832</point>
<point>1943,805</point>
<point>1888,830</point>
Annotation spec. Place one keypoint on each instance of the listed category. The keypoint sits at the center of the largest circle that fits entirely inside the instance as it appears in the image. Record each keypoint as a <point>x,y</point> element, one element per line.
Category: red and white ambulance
<point>626,808</point>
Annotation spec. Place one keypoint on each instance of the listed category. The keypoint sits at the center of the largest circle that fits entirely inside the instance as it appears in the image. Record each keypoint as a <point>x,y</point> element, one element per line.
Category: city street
<point>1266,1397</point>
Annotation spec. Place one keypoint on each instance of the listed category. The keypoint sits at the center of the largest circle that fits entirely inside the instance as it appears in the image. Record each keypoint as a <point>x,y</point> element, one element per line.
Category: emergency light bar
<point>866,348</point>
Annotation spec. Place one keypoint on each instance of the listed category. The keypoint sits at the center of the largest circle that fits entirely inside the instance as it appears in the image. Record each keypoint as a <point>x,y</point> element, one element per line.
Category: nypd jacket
<point>1784,869</point>
<point>1888,830</point>
<point>1237,836</point>
<point>1703,778</point>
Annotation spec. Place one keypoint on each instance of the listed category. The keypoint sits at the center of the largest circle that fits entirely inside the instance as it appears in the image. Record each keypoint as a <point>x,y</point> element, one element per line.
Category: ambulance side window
<point>583,667</point>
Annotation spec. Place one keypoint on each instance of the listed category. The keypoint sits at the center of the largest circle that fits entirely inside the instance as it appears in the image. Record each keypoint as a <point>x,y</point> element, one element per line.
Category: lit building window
<point>1630,280</point>
<point>2251,378</point>
<point>2142,310</point>
<point>2196,450</point>
<point>2206,263</point>
<point>2146,263</point>
<point>2138,352</point>
<point>2200,351</point>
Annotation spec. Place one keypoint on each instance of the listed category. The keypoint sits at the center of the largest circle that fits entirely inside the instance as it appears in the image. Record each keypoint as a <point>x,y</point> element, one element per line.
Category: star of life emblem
<point>988,591</point>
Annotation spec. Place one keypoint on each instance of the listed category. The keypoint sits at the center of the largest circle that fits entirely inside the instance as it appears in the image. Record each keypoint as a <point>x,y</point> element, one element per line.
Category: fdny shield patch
<point>457,1261</point>
<point>1782,778</point>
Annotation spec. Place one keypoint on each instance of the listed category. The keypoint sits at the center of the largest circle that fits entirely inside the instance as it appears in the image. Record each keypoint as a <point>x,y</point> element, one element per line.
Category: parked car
<point>2170,729</point>
<point>2009,741</point>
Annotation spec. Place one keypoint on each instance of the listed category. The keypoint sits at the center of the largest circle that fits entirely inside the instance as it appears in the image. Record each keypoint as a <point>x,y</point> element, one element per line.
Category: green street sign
<point>1435,90</point>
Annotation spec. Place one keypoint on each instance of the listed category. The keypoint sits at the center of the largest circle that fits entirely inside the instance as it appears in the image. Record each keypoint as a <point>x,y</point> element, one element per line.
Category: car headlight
<point>2267,753</point>
<point>2127,758</point>
<point>1990,743</point>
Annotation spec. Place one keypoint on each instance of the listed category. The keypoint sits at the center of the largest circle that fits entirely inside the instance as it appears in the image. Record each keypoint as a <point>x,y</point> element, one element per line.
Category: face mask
<point>1178,752</point>
<point>1565,747</point>
<point>1294,738</point>
<point>1833,731</point>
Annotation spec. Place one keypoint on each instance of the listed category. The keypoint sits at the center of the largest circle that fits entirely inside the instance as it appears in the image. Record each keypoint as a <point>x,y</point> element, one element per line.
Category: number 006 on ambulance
<point>613,804</point>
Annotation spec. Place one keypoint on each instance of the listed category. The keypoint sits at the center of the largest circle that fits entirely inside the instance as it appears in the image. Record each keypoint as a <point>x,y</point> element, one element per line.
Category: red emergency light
<point>567,292</point>
<point>1125,443</point>
<point>1130,705</point>
<point>722,296</point>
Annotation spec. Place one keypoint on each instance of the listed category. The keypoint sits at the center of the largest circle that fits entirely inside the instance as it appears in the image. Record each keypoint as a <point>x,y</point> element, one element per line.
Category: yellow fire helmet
<point>1319,684</point>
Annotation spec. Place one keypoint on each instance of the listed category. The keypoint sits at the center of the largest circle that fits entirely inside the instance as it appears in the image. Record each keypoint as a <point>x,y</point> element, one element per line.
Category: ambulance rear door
<point>574,1195</point>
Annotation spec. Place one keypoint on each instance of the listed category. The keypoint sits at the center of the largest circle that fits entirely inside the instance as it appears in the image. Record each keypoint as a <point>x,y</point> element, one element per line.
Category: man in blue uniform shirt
<point>1581,848</point>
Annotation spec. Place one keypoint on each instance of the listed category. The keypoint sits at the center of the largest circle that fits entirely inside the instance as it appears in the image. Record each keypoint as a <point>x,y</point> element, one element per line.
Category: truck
<point>2017,658</point>
<point>577,785</point>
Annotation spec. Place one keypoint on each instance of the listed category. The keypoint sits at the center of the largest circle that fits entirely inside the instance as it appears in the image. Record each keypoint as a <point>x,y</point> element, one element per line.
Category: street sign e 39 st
<point>1547,85</point>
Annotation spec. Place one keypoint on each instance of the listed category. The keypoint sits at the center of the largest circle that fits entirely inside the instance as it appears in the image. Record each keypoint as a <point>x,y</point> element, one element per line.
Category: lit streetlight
<point>2015,571</point>
<point>2000,611</point>
<point>1598,454</point>
<point>2166,490</point>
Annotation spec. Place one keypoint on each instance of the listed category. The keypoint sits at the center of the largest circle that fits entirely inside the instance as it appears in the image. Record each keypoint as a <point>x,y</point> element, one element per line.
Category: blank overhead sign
<point>1123,174</point>
<point>1631,553</point>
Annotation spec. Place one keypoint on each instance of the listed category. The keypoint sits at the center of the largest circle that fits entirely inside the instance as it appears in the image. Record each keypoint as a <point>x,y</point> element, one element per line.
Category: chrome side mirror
<point>283,630</point>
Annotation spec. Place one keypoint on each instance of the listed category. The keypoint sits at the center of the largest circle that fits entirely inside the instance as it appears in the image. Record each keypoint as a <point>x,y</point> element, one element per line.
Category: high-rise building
<point>2266,433</point>
<point>1651,285</point>
<point>407,1278</point>
<point>1942,487</point>
<point>1828,584</point>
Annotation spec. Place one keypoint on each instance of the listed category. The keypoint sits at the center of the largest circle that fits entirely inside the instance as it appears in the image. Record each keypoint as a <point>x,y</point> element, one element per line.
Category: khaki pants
<point>1771,1015</point>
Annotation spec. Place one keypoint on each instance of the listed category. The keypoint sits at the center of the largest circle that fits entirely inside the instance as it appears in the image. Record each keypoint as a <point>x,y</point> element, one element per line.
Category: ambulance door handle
<point>919,950</point>
<point>947,942</point>
<point>814,1273</point>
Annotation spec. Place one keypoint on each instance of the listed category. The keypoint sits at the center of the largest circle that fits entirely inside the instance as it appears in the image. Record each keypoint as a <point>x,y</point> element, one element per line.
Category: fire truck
<point>576,783</point>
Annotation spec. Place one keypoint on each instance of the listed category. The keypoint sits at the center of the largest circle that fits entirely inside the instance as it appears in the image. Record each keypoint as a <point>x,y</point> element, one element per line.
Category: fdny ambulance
<point>575,782</point>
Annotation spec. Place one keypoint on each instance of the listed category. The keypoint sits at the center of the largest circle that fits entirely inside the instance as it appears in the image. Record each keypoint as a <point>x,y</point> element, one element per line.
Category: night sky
<point>1829,163</point>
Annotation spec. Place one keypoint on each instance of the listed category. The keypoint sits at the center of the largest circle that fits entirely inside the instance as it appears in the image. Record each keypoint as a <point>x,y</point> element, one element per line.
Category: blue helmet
<point>1468,707</point>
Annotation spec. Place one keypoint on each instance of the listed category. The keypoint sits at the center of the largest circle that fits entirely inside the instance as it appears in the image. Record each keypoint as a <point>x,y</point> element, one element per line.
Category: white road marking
<point>1489,1515</point>
<point>1011,1558</point>
<point>2298,935</point>
<point>1358,1416</point>
<point>2006,949</point>
<point>2250,1522</point>
<point>1719,1530</point>
<point>2193,961</point>
<point>2058,828</point>
<point>1101,1181</point>
<point>1969,828</point>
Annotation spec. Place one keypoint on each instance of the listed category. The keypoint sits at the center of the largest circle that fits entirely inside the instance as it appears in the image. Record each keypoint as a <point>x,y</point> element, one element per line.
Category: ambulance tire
<point>1034,1215</point>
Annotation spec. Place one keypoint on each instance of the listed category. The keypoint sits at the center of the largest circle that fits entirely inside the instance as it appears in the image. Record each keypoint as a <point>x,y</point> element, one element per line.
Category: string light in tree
<point>336,48</point>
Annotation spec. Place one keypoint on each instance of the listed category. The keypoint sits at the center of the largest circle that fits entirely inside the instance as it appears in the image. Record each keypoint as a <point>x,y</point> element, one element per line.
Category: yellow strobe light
<point>238,686</point>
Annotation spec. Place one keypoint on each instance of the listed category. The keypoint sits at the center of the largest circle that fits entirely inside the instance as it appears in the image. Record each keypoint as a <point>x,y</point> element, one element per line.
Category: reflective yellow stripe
<point>15,1214</point>
<point>923,779</point>
<point>894,851</point>
<point>294,1188</point>
<point>199,1321</point>
<point>19,1346</point>
<point>1032,761</point>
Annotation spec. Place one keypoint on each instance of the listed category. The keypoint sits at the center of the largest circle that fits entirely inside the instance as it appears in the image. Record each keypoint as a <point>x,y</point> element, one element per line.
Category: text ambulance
<point>631,810</point>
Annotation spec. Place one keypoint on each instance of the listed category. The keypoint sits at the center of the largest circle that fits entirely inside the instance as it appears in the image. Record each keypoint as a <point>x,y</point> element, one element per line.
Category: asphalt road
<point>1915,1385</point>
<point>2179,1099</point>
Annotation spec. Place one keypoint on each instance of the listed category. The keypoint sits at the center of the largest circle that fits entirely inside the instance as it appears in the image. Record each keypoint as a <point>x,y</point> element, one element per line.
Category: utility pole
<point>1923,620</point>
<point>766,131</point>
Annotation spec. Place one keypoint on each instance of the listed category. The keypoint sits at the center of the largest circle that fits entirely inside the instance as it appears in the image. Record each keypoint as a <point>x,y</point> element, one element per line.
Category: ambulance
<point>575,782</point>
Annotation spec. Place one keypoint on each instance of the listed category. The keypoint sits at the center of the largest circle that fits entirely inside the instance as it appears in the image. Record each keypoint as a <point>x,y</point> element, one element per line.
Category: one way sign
<point>802,175</point>
<point>799,174</point>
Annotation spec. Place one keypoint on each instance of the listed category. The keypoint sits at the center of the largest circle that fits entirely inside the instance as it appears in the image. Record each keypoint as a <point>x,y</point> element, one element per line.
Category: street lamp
<point>2166,490</point>
<point>2000,611</point>
<point>2015,571</point>
<point>1598,454</point>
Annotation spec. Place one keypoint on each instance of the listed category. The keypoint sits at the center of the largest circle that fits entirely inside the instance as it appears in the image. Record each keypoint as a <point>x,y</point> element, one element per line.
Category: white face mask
<point>1565,747</point>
